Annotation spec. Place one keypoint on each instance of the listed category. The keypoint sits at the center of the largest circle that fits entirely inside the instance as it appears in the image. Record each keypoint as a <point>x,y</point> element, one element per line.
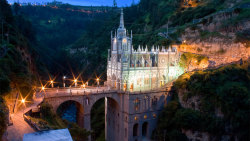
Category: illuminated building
<point>142,69</point>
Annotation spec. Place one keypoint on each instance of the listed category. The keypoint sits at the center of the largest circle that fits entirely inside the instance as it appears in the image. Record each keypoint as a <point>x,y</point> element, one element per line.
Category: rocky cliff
<point>222,36</point>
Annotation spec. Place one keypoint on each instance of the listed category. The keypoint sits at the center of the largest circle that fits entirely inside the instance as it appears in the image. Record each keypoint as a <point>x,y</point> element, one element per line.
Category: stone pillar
<point>87,120</point>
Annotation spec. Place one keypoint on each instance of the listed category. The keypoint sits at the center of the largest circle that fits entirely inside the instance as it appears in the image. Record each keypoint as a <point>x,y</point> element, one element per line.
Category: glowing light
<point>64,77</point>
<point>97,79</point>
<point>84,86</point>
<point>124,40</point>
<point>23,100</point>
<point>145,116</point>
<point>75,80</point>
<point>51,82</point>
<point>43,88</point>
<point>136,118</point>
<point>154,115</point>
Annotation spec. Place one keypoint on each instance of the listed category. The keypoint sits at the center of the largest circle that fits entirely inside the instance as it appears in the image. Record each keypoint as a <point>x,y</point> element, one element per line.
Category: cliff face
<point>217,36</point>
<point>208,105</point>
<point>206,93</point>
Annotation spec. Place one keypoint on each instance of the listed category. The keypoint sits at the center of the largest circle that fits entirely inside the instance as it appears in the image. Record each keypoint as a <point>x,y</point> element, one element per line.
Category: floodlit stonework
<point>136,99</point>
<point>142,69</point>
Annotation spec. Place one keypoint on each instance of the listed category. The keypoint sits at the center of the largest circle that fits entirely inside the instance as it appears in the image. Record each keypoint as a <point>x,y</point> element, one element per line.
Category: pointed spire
<point>133,49</point>
<point>111,34</point>
<point>139,49</point>
<point>169,49</point>
<point>146,49</point>
<point>121,20</point>
<point>153,49</point>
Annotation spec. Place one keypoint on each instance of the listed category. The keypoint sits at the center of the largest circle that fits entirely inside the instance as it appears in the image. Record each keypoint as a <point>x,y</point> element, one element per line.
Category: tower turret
<point>121,30</point>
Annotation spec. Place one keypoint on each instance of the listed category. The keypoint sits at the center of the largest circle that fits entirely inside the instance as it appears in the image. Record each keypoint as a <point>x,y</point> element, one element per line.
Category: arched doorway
<point>105,118</point>
<point>145,129</point>
<point>72,111</point>
<point>136,130</point>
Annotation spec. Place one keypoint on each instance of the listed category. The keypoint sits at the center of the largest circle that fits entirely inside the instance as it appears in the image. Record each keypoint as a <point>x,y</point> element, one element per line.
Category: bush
<point>3,117</point>
<point>243,37</point>
<point>225,89</point>
<point>4,85</point>
<point>188,119</point>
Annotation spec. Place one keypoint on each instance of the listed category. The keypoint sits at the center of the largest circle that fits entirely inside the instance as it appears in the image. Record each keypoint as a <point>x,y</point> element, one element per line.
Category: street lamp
<point>84,86</point>
<point>23,101</point>
<point>98,82</point>
<point>64,85</point>
<point>75,82</point>
<point>52,83</point>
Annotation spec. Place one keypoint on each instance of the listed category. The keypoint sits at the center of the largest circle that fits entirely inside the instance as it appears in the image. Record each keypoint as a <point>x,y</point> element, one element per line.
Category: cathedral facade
<point>142,69</point>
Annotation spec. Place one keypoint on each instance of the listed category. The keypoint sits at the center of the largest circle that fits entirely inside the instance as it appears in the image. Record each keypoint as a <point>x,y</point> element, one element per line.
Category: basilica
<point>129,69</point>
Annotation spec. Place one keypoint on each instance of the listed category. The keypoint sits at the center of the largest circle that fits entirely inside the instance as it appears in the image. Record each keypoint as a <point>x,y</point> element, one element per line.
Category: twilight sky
<point>83,2</point>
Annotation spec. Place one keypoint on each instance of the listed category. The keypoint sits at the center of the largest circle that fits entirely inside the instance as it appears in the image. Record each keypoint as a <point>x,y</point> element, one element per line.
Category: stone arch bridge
<point>129,116</point>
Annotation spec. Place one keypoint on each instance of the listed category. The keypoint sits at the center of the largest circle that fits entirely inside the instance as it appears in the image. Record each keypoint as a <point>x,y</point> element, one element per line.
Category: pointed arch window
<point>137,104</point>
<point>138,64</point>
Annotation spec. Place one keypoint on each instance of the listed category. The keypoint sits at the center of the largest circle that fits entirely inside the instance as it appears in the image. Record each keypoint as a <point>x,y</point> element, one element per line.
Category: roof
<point>50,135</point>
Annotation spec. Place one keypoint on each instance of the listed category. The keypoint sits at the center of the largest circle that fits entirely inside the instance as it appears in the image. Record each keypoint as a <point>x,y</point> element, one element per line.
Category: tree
<point>114,3</point>
<point>16,8</point>
<point>133,3</point>
<point>5,11</point>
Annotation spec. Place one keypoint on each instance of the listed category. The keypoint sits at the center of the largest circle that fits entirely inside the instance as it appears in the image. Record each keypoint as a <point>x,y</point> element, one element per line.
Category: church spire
<point>121,20</point>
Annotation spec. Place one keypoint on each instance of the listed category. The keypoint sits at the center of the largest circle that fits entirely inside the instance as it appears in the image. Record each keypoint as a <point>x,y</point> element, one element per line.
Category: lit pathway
<point>20,127</point>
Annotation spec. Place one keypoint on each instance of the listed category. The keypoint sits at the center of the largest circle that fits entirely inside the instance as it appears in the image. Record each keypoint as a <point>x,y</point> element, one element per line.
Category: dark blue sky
<point>83,2</point>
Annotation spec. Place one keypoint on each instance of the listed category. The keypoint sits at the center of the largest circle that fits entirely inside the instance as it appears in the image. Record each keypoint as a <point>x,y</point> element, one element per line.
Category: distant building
<point>142,69</point>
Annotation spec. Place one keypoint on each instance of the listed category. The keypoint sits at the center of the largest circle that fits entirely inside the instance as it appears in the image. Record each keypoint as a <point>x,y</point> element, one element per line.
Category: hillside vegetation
<point>61,39</point>
<point>209,105</point>
<point>17,59</point>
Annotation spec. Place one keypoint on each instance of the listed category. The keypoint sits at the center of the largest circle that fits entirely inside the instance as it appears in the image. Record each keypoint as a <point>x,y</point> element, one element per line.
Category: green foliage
<point>243,37</point>
<point>226,89</point>
<point>5,11</point>
<point>167,125</point>
<point>55,122</point>
<point>78,134</point>
<point>243,15</point>
<point>3,117</point>
<point>206,35</point>
<point>188,119</point>
<point>98,120</point>
<point>188,58</point>
<point>186,16</point>
<point>4,85</point>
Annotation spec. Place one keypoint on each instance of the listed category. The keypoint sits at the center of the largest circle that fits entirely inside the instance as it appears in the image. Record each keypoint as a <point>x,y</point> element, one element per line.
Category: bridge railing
<point>81,92</point>
<point>74,92</point>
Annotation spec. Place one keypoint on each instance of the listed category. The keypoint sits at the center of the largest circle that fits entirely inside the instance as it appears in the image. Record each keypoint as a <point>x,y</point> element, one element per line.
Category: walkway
<point>20,127</point>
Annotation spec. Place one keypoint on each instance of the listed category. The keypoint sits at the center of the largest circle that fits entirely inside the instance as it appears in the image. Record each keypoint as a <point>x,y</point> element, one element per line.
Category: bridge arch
<point>111,114</point>
<point>71,110</point>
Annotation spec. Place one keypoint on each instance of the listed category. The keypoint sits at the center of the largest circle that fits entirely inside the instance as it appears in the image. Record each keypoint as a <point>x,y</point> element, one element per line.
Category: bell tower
<point>121,32</point>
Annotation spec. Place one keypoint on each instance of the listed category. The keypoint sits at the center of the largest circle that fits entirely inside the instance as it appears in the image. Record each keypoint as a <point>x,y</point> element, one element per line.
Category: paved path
<point>20,127</point>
